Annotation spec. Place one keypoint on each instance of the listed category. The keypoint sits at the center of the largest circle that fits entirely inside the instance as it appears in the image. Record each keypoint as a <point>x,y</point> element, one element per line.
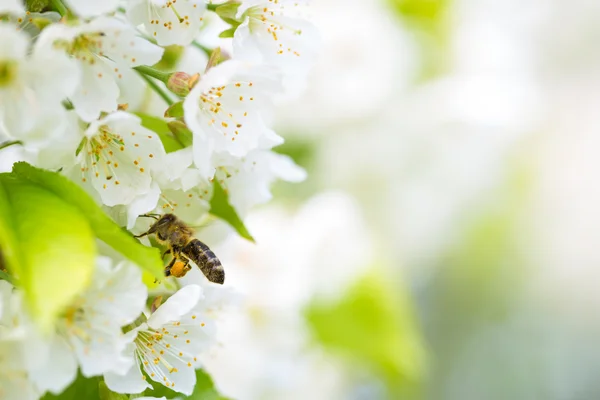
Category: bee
<point>184,247</point>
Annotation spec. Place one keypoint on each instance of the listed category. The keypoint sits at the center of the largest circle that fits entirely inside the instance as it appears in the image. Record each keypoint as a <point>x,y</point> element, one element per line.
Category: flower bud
<point>181,83</point>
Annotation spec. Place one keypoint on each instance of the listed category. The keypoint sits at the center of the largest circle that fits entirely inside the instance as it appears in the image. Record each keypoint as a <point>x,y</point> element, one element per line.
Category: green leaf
<point>51,249</point>
<point>170,58</point>
<point>214,59</point>
<point>228,11</point>
<point>204,389</point>
<point>175,111</point>
<point>104,228</point>
<point>220,207</point>
<point>373,326</point>
<point>161,128</point>
<point>228,33</point>
<point>181,132</point>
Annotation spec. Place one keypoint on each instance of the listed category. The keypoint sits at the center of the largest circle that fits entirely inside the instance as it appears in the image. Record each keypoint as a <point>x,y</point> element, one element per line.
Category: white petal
<point>177,305</point>
<point>131,382</point>
<point>96,93</point>
<point>118,295</point>
<point>142,205</point>
<point>11,7</point>
<point>60,369</point>
<point>167,22</point>
<point>14,43</point>
<point>87,8</point>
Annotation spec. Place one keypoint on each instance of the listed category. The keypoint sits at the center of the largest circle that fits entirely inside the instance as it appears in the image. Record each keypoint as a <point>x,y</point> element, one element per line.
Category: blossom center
<point>265,17</point>
<point>8,72</point>
<point>86,47</point>
<point>100,150</point>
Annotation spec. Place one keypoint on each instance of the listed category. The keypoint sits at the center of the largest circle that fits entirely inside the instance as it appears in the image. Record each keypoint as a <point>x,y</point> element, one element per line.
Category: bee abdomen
<point>206,260</point>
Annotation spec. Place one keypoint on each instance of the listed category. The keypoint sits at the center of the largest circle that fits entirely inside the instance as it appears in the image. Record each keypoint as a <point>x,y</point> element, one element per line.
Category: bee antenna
<point>155,216</point>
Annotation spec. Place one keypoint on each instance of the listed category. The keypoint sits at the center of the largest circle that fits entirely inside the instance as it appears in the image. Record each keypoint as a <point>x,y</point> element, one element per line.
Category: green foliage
<point>204,389</point>
<point>170,58</point>
<point>36,5</point>
<point>102,226</point>
<point>175,110</point>
<point>228,12</point>
<point>220,207</point>
<point>161,128</point>
<point>181,132</point>
<point>46,242</point>
<point>227,33</point>
<point>373,325</point>
<point>214,59</point>
<point>429,21</point>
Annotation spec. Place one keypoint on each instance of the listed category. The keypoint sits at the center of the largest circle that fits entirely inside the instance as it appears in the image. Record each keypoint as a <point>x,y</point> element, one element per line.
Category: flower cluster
<point>102,333</point>
<point>72,73</point>
<point>66,83</point>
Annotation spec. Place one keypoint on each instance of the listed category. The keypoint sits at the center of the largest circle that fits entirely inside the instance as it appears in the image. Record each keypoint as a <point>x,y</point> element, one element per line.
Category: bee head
<point>166,219</point>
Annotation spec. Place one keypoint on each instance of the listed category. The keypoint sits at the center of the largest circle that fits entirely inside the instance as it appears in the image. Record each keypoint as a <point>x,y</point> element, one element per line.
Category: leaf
<point>175,110</point>
<point>104,228</point>
<point>204,389</point>
<point>227,33</point>
<point>106,394</point>
<point>220,207</point>
<point>228,11</point>
<point>161,128</point>
<point>374,326</point>
<point>214,59</point>
<point>51,251</point>
<point>181,132</point>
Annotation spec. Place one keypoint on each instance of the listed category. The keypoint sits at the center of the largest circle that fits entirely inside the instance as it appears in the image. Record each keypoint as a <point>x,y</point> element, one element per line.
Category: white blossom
<point>31,86</point>
<point>17,350</point>
<point>167,346</point>
<point>249,178</point>
<point>87,8</point>
<point>89,334</point>
<point>117,158</point>
<point>168,22</point>
<point>269,34</point>
<point>11,7</point>
<point>227,109</point>
<point>103,48</point>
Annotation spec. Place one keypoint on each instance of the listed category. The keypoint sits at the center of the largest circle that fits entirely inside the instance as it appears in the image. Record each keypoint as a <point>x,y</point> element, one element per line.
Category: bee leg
<point>168,267</point>
<point>168,251</point>
<point>141,235</point>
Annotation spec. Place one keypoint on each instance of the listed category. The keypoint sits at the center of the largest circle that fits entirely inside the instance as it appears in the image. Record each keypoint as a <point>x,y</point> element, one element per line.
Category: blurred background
<point>445,245</point>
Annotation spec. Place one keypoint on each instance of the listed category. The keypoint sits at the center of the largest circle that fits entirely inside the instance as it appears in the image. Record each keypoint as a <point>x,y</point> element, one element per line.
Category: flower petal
<point>177,305</point>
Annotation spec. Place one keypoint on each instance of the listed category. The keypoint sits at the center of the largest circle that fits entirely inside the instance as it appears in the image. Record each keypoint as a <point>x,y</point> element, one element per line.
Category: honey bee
<point>184,247</point>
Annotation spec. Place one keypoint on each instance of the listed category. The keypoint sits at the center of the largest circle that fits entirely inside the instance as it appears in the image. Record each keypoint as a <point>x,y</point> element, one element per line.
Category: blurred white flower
<point>104,47</point>
<point>265,350</point>
<point>168,22</point>
<point>167,346</point>
<point>31,86</point>
<point>117,158</point>
<point>271,35</point>
<point>17,349</point>
<point>338,94</point>
<point>87,8</point>
<point>249,179</point>
<point>11,7</point>
<point>226,112</point>
<point>89,335</point>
